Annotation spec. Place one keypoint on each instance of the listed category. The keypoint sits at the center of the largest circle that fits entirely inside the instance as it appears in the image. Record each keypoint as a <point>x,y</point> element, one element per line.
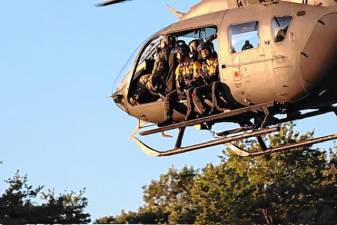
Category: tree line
<point>21,203</point>
<point>297,187</point>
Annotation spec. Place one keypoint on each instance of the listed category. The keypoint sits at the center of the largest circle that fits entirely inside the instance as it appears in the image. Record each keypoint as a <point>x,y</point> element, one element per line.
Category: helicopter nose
<point>319,57</point>
<point>118,98</point>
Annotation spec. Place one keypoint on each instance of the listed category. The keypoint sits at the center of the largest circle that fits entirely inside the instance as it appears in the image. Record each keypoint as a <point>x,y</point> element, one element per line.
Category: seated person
<point>155,83</point>
<point>173,63</point>
<point>281,34</point>
<point>161,65</point>
<point>144,92</point>
<point>247,46</point>
<point>186,78</point>
<point>193,45</point>
<point>209,74</point>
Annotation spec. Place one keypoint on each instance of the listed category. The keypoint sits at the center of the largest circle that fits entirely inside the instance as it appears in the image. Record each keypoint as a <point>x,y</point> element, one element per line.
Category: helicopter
<point>288,74</point>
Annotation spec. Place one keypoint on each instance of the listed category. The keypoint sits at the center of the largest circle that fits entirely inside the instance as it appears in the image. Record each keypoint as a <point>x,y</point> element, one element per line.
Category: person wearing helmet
<point>187,72</point>
<point>247,46</point>
<point>155,82</point>
<point>186,79</point>
<point>193,45</point>
<point>151,86</point>
<point>209,74</point>
<point>161,65</point>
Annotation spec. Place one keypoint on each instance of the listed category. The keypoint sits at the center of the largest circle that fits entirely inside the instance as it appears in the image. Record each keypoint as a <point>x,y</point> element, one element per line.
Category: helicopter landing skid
<point>284,148</point>
<point>218,141</point>
<point>228,141</point>
<point>265,123</point>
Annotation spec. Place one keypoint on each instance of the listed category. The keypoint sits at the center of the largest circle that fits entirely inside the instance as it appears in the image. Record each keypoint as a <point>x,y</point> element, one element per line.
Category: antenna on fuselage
<point>175,12</point>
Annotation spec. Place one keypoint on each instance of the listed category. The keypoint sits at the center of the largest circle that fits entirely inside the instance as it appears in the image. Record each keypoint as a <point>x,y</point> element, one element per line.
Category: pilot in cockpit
<point>161,64</point>
<point>154,84</point>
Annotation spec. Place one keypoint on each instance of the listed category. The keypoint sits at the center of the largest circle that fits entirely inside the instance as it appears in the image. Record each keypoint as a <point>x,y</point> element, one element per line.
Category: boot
<point>166,122</point>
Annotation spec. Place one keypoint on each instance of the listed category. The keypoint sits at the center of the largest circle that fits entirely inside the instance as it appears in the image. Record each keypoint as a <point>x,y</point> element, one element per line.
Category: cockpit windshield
<point>126,68</point>
<point>150,51</point>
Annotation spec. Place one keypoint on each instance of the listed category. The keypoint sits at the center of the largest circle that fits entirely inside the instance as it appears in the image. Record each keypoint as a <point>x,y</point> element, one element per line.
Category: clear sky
<point>58,63</point>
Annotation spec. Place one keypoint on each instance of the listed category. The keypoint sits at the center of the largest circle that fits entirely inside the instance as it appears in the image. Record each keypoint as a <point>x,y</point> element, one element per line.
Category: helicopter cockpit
<point>142,89</point>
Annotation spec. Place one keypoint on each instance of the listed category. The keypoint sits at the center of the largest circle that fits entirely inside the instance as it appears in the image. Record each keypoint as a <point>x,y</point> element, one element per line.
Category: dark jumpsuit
<point>154,83</point>
<point>161,69</point>
<point>186,78</point>
<point>209,90</point>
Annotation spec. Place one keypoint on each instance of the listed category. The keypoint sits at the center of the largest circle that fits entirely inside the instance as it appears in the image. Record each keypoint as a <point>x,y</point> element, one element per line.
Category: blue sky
<point>58,63</point>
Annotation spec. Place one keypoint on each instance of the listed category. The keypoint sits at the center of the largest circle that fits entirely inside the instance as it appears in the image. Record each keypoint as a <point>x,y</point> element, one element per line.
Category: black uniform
<point>247,46</point>
<point>186,79</point>
<point>209,90</point>
<point>150,86</point>
<point>161,70</point>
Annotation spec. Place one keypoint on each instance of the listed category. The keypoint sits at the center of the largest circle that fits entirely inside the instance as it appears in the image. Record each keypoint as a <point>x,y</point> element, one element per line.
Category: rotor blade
<point>110,2</point>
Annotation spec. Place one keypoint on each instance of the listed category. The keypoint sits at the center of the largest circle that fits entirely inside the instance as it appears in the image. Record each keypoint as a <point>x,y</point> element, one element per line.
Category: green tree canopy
<point>293,187</point>
<point>23,204</point>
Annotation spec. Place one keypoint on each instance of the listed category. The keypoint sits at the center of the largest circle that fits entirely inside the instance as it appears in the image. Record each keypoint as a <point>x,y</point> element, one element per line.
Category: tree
<point>167,199</point>
<point>293,187</point>
<point>18,205</point>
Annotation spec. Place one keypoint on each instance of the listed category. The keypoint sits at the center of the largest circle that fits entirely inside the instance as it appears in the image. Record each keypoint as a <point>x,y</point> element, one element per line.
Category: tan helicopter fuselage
<point>301,70</point>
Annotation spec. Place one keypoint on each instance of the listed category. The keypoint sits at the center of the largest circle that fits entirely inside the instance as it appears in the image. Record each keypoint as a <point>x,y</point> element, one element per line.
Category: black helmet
<point>194,44</point>
<point>182,49</point>
<point>205,45</point>
<point>166,40</point>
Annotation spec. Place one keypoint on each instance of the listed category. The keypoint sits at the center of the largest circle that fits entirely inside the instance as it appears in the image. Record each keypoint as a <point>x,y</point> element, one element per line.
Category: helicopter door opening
<point>148,87</point>
<point>144,87</point>
<point>209,35</point>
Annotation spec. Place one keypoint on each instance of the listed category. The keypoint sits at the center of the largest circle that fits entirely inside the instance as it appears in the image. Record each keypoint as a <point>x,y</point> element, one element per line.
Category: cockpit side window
<point>280,27</point>
<point>244,36</point>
